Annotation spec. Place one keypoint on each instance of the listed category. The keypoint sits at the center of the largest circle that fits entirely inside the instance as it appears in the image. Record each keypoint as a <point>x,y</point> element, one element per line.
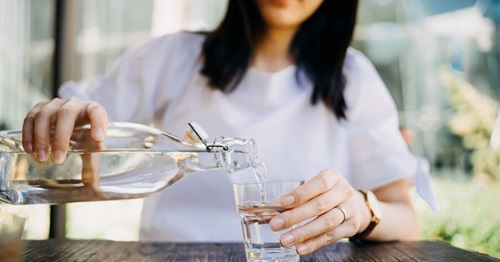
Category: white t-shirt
<point>159,82</point>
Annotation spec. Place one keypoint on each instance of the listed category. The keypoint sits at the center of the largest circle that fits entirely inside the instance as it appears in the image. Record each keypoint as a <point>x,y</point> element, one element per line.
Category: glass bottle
<point>133,161</point>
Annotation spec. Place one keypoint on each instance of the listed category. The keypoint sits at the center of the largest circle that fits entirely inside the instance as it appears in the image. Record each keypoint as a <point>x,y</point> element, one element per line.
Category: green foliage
<point>474,121</point>
<point>469,217</point>
<point>470,214</point>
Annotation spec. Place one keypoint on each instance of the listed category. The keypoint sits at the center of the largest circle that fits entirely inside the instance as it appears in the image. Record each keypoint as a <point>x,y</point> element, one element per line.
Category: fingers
<point>312,208</point>
<point>43,117</point>
<point>328,198</point>
<point>67,115</point>
<point>319,184</point>
<point>317,196</point>
<point>346,229</point>
<point>76,111</point>
<point>324,223</point>
<point>28,128</point>
<point>63,115</point>
<point>98,121</point>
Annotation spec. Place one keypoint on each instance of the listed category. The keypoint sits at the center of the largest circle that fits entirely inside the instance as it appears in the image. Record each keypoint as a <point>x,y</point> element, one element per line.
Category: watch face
<point>374,204</point>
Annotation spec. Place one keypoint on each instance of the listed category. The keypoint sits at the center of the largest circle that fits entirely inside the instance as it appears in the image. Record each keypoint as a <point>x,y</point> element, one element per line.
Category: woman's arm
<point>399,221</point>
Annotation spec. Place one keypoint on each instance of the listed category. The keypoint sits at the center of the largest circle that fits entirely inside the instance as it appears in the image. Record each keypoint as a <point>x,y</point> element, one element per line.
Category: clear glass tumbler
<point>12,228</point>
<point>257,204</point>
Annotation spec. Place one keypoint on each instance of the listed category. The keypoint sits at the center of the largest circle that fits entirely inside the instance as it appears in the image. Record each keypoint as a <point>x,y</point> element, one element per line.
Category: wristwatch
<point>375,211</point>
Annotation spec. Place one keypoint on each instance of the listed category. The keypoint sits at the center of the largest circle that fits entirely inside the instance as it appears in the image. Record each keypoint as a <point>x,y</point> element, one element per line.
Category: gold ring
<point>344,213</point>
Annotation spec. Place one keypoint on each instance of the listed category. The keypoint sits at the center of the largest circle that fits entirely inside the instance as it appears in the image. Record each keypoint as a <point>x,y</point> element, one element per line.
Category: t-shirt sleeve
<point>377,152</point>
<point>143,81</point>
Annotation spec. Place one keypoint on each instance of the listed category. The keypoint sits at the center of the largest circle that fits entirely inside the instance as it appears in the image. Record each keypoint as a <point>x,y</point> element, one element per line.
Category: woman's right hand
<point>63,115</point>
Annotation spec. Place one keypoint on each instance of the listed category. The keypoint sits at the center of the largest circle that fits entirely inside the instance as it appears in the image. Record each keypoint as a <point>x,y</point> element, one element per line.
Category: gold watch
<point>373,205</point>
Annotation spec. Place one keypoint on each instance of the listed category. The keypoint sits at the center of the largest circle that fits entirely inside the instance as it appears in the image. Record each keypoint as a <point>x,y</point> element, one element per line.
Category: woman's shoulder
<point>182,39</point>
<point>184,43</point>
<point>365,92</point>
<point>356,63</point>
<point>360,73</point>
<point>156,55</point>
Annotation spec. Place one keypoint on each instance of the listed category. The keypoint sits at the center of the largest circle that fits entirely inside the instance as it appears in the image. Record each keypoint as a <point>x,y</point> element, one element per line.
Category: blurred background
<point>439,59</point>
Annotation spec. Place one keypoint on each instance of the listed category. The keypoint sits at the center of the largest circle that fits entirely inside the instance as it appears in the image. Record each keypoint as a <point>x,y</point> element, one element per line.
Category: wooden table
<point>98,250</point>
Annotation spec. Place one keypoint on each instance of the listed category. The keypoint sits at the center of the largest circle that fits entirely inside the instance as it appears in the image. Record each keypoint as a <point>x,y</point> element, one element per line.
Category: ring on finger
<point>343,213</point>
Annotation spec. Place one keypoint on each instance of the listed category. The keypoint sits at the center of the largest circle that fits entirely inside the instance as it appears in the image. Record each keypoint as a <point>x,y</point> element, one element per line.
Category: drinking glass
<point>12,228</point>
<point>257,204</point>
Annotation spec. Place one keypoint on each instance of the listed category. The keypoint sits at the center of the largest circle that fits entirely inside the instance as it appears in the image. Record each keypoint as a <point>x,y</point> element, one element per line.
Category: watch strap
<point>373,221</point>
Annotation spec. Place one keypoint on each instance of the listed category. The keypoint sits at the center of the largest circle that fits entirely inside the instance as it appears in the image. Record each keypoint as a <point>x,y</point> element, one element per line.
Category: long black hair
<point>318,48</point>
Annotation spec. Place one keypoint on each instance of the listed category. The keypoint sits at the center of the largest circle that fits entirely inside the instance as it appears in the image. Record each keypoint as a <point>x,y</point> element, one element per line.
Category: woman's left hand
<point>321,198</point>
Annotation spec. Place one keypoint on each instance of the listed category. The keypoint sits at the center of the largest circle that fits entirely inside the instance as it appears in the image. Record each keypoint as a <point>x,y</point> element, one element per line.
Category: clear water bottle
<point>133,161</point>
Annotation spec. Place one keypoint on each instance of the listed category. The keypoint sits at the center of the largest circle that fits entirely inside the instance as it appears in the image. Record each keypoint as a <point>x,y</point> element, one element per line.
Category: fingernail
<point>277,223</point>
<point>58,156</point>
<point>98,134</point>
<point>287,240</point>
<point>287,200</point>
<point>302,249</point>
<point>41,156</point>
<point>29,148</point>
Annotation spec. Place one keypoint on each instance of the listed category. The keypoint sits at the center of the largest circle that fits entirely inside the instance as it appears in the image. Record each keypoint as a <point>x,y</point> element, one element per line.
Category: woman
<point>278,71</point>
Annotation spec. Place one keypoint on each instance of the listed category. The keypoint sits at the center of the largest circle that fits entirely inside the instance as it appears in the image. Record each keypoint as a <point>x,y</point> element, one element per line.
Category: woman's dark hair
<point>318,48</point>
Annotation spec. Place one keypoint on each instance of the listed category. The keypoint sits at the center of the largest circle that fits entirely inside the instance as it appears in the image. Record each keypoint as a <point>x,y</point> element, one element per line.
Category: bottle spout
<point>237,153</point>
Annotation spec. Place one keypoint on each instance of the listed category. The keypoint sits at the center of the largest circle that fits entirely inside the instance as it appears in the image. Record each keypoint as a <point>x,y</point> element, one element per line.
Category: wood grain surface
<point>100,250</point>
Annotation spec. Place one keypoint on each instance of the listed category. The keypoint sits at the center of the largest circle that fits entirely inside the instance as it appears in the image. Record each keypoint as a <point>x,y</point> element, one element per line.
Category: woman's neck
<point>272,52</point>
